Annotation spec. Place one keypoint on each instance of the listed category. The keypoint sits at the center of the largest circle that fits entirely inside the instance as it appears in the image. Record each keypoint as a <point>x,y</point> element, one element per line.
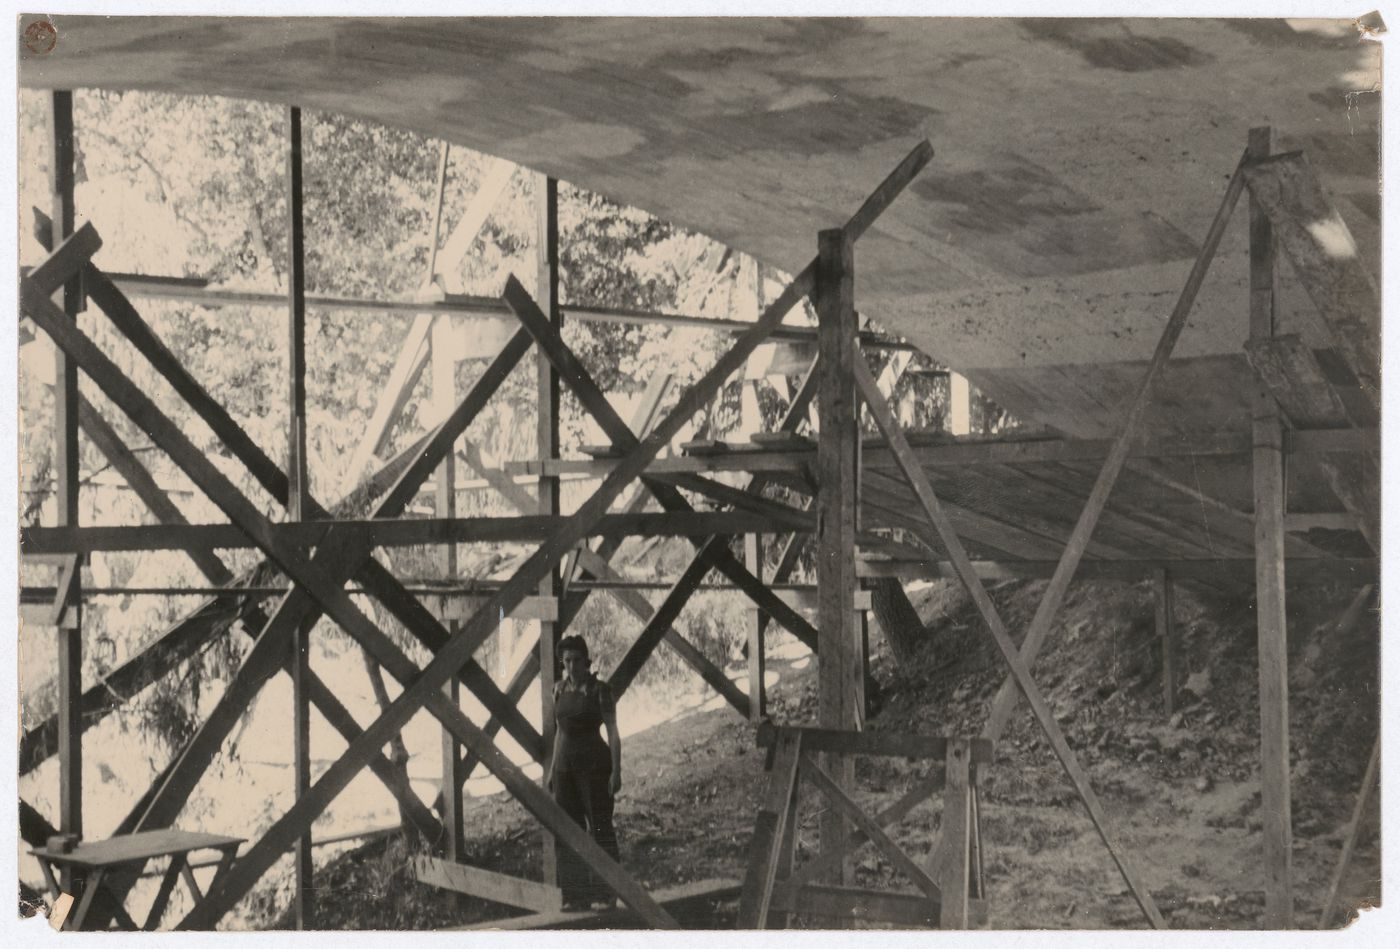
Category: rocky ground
<point>1181,791</point>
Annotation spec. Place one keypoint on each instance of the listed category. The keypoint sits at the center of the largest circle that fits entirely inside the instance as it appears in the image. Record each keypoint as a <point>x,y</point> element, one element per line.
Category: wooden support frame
<point>774,887</point>
<point>956,836</point>
<point>595,563</point>
<point>526,577</point>
<point>714,552</point>
<point>313,583</point>
<point>770,828</point>
<point>420,459</point>
<point>135,403</point>
<point>1020,667</point>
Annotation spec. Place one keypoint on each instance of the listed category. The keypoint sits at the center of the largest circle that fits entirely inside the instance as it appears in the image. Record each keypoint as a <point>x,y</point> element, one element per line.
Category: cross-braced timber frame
<point>860,489</point>
<point>774,887</point>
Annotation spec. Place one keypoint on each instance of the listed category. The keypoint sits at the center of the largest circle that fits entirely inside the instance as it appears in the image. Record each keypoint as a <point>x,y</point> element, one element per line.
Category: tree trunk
<point>904,631</point>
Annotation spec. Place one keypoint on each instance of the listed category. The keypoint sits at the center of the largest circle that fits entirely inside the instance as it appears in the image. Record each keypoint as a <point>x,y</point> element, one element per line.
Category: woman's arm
<point>615,746</point>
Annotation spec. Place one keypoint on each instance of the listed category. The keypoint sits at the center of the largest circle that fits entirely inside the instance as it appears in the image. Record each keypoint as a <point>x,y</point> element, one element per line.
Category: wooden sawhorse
<point>775,887</point>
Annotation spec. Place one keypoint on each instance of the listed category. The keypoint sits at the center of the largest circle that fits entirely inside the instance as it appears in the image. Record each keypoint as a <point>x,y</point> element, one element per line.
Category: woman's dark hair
<point>572,644</point>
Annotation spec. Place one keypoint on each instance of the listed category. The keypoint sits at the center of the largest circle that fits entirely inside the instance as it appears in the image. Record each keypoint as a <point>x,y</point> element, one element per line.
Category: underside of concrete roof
<point>1078,163</point>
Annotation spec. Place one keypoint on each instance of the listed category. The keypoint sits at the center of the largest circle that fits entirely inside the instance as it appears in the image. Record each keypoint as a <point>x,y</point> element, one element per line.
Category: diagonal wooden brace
<point>868,826</point>
<point>1020,669</point>
<point>68,576</point>
<point>1053,597</point>
<point>817,868</point>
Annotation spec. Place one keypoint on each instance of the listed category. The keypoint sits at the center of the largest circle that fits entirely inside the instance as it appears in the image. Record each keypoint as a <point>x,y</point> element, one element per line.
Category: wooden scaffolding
<point>983,509</point>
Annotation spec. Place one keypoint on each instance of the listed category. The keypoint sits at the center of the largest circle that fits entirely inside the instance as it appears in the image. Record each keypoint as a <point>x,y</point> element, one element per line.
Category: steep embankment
<point>1181,790</point>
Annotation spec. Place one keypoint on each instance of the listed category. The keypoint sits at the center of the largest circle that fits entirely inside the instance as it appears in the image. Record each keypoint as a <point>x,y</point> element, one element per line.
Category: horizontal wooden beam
<point>759,458</point>
<point>200,292</point>
<point>531,608</point>
<point>392,533</point>
<point>1308,569</point>
<point>1340,521</point>
<point>898,744</point>
<point>488,885</point>
<point>806,599</point>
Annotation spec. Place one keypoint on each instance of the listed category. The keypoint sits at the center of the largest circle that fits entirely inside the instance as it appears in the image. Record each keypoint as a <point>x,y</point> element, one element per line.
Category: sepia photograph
<point>512,473</point>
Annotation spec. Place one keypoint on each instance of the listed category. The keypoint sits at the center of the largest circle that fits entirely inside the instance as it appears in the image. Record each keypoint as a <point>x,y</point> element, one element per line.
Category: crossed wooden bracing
<point>1031,506</point>
<point>321,562</point>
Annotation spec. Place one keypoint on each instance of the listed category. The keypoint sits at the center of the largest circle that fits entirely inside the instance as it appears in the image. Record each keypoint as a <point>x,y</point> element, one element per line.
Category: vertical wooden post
<point>1166,630</point>
<point>1269,499</point>
<point>298,492</point>
<point>444,368</point>
<point>547,446</point>
<point>66,477</point>
<point>957,806</point>
<point>298,489</point>
<point>959,404</point>
<point>753,559</point>
<point>839,652</point>
<point>864,680</point>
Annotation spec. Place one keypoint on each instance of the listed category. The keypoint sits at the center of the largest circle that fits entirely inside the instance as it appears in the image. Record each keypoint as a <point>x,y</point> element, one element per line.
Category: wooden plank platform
<point>128,848</point>
<point>689,903</point>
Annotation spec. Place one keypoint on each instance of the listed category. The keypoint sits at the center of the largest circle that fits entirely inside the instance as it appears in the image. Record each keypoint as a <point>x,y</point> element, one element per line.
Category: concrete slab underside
<point>1078,162</point>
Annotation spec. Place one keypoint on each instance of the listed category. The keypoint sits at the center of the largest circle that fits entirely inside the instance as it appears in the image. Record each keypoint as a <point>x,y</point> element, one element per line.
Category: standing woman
<point>585,772</point>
